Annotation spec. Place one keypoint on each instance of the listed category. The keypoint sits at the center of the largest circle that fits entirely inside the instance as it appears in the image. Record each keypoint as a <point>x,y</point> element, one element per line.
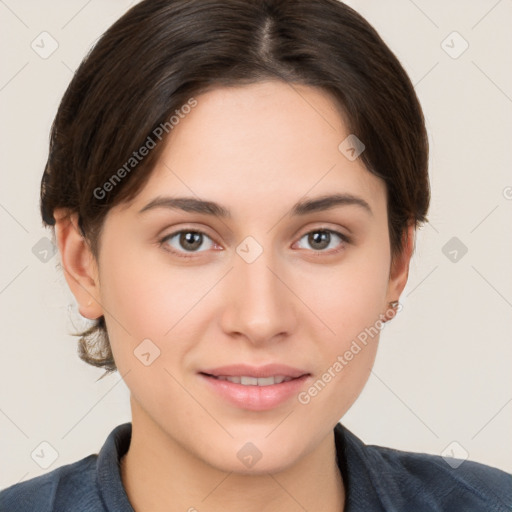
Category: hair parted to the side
<point>162,53</point>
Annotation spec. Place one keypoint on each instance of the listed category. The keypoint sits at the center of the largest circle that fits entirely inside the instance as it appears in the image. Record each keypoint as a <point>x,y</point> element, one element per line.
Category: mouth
<point>255,388</point>
<point>246,380</point>
<point>266,375</point>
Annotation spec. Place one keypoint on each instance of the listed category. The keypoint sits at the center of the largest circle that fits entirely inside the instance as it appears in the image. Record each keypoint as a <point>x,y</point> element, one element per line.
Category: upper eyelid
<point>344,237</point>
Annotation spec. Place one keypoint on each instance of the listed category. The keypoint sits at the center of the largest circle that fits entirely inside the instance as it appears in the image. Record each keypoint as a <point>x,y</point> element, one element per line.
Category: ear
<point>78,262</point>
<point>399,271</point>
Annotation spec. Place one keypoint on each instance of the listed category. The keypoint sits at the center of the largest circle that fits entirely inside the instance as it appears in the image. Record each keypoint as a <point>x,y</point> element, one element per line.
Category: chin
<point>251,455</point>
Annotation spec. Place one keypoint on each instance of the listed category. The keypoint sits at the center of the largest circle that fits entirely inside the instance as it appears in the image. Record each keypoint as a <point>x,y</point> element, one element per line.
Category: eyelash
<point>345,239</point>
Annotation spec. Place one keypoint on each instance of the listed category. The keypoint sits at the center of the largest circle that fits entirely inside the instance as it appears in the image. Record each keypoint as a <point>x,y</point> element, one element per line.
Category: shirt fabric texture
<point>375,478</point>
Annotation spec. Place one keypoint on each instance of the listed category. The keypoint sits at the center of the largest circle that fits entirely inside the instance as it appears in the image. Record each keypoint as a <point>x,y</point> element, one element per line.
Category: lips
<point>255,388</point>
<point>246,380</point>
<point>254,397</point>
<point>269,370</point>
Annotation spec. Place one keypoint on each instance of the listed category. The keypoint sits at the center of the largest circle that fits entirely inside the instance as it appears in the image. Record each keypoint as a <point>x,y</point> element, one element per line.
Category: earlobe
<point>399,271</point>
<point>78,263</point>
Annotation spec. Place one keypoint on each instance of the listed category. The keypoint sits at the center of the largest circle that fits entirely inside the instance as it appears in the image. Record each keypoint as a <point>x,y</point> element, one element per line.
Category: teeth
<point>248,381</point>
<point>254,381</point>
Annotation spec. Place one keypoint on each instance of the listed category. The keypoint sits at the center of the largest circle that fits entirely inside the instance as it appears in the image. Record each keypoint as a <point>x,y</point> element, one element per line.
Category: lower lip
<point>256,398</point>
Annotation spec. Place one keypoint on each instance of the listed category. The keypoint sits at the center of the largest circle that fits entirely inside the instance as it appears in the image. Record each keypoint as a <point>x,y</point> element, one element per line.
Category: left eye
<point>320,239</point>
<point>190,241</point>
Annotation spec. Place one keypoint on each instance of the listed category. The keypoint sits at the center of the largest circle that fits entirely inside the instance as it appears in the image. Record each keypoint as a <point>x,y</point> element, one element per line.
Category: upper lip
<point>268,370</point>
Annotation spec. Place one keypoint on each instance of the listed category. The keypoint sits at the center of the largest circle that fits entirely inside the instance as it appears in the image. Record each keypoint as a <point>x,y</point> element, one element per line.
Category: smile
<point>254,381</point>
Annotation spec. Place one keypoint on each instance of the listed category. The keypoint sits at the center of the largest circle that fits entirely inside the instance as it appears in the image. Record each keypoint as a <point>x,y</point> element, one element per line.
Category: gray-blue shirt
<point>375,479</point>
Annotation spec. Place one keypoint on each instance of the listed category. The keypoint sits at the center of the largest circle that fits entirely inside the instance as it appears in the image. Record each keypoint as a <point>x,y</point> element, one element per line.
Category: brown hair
<point>159,54</point>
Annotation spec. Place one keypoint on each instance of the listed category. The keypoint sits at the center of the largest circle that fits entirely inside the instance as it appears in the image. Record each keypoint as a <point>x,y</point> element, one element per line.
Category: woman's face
<point>269,283</point>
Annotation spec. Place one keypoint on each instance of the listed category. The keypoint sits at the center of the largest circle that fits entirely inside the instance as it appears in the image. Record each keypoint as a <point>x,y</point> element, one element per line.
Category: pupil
<point>320,237</point>
<point>191,239</point>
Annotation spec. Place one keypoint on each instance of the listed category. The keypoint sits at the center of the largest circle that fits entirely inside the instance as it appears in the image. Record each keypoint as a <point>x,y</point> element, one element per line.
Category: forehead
<point>260,144</point>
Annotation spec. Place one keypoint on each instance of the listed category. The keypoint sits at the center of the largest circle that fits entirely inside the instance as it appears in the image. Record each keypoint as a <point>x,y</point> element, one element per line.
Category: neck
<point>160,474</point>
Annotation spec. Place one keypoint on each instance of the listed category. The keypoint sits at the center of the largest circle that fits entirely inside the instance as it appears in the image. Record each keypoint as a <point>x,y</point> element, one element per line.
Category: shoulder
<point>401,480</point>
<point>92,484</point>
<point>63,488</point>
<point>454,484</point>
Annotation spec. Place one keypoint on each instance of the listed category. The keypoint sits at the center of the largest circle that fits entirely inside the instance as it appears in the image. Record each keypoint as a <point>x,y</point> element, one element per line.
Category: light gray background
<point>443,369</point>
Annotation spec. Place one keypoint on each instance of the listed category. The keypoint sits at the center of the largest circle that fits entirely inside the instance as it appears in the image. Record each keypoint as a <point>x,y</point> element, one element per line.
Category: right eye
<point>183,241</point>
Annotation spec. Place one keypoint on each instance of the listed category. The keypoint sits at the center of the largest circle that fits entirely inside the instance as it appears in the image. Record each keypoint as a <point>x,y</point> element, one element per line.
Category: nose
<point>259,303</point>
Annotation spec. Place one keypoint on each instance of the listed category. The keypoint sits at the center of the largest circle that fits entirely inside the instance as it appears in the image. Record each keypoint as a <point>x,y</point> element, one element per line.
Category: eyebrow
<point>303,207</point>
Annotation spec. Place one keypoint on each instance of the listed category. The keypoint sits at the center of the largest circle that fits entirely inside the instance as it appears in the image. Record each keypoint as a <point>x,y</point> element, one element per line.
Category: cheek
<point>148,298</point>
<point>349,300</point>
<point>347,348</point>
<point>133,305</point>
<point>145,297</point>
<point>348,297</point>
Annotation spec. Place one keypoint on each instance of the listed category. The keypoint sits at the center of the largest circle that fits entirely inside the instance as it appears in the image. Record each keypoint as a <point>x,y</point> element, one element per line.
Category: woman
<point>235,187</point>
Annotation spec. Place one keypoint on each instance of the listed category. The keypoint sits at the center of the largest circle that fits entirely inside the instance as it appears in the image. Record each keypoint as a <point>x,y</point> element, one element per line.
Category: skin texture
<point>257,150</point>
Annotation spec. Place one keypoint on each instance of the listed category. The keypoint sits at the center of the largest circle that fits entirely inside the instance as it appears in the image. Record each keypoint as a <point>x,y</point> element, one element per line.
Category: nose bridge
<point>261,305</point>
